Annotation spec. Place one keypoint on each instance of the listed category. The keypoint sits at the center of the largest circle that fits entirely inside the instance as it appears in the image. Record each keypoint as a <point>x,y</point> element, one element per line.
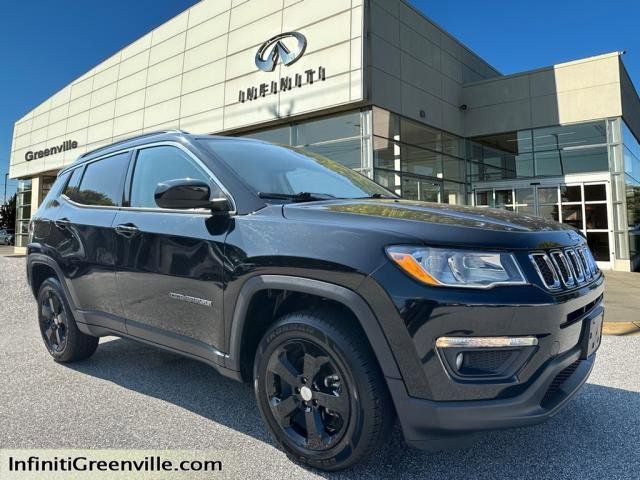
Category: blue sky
<point>45,45</point>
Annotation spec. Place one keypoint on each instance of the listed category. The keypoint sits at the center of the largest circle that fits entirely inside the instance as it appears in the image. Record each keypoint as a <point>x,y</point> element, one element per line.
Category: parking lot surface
<point>132,396</point>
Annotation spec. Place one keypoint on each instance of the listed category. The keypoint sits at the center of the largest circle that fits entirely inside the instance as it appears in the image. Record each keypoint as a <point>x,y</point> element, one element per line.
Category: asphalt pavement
<point>132,396</point>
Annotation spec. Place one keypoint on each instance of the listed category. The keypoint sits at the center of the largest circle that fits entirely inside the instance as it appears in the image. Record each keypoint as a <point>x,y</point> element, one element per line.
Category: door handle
<point>62,223</point>
<point>127,230</point>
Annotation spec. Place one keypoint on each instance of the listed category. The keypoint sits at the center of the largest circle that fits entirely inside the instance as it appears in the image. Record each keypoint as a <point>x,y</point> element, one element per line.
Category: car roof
<point>179,136</point>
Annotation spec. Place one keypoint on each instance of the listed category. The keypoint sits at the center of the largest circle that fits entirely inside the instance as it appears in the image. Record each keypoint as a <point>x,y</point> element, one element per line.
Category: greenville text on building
<point>63,147</point>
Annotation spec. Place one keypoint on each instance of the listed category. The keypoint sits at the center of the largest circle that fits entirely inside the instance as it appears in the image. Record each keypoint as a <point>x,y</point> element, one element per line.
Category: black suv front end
<point>493,358</point>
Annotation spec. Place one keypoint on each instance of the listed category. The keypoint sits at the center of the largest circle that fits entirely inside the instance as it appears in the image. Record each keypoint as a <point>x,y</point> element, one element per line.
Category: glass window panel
<point>524,165</point>
<point>159,164</point>
<point>571,194</point>
<point>599,244</point>
<point>526,209</point>
<point>453,193</point>
<point>596,214</point>
<point>547,164</point>
<point>585,160</point>
<point>348,153</point>
<point>572,215</point>
<point>524,195</point>
<point>633,203</point>
<point>453,169</point>
<point>103,181</point>
<point>420,161</point>
<point>281,136</point>
<point>549,211</point>
<point>594,193</point>
<point>390,180</point>
<point>484,198</point>
<point>71,188</point>
<point>563,136</point>
<point>386,153</point>
<point>420,135</point>
<point>333,128</point>
<point>504,197</point>
<point>547,195</point>
<point>425,190</point>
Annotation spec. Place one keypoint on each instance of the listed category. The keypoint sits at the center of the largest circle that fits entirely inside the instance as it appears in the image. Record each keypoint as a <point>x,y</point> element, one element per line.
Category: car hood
<point>440,223</point>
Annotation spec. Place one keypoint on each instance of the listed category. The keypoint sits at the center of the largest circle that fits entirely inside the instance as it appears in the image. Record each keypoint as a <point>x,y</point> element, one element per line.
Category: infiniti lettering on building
<point>282,48</point>
<point>63,147</point>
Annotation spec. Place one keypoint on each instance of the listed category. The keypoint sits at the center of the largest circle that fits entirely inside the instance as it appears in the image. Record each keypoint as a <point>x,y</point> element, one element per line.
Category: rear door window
<point>102,182</point>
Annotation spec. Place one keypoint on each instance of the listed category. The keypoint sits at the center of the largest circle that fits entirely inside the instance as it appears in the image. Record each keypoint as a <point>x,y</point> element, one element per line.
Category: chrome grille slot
<point>576,264</point>
<point>585,264</point>
<point>546,270</point>
<point>565,268</point>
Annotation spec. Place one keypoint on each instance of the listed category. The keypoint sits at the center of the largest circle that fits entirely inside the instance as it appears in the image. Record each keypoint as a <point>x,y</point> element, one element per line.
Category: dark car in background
<point>345,306</point>
<point>7,236</point>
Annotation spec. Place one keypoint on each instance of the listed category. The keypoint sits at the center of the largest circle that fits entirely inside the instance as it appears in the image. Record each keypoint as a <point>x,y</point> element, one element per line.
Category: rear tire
<point>64,341</point>
<point>320,390</point>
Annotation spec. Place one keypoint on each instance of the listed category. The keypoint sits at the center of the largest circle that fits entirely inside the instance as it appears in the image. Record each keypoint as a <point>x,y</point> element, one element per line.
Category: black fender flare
<point>337,293</point>
<point>34,259</point>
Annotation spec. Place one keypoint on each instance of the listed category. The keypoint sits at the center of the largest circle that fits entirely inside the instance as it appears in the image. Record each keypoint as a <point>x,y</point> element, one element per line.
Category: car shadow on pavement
<point>596,436</point>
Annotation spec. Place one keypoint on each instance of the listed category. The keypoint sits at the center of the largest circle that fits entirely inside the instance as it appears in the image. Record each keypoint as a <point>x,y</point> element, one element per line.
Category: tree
<point>8,213</point>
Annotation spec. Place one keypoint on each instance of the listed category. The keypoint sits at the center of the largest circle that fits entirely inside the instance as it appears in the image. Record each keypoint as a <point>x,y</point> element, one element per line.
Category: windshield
<point>286,173</point>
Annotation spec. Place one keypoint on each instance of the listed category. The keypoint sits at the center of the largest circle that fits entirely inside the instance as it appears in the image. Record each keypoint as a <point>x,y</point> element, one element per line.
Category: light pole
<point>4,199</point>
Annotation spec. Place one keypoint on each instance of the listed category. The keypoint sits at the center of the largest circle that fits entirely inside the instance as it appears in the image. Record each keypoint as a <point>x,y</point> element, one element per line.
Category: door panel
<point>170,263</point>
<point>170,275</point>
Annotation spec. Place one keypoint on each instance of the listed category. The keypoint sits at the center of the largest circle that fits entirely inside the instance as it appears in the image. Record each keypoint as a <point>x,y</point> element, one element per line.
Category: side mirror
<point>183,194</point>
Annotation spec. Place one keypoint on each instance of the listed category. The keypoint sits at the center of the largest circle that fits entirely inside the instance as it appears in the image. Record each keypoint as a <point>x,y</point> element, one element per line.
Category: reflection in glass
<point>484,198</point>
<point>547,195</point>
<point>596,214</point>
<point>572,215</point>
<point>547,164</point>
<point>341,126</point>
<point>594,193</point>
<point>524,195</point>
<point>347,152</point>
<point>414,188</point>
<point>599,244</point>
<point>504,197</point>
<point>585,160</point>
<point>571,194</point>
<point>549,211</point>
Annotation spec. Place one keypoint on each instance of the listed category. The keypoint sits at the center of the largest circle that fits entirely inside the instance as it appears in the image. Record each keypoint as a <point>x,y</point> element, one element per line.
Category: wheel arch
<point>345,297</point>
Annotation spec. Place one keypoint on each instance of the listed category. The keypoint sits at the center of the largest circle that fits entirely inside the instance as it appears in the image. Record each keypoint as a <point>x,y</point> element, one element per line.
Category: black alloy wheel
<point>64,341</point>
<point>53,322</point>
<point>308,394</point>
<point>320,389</point>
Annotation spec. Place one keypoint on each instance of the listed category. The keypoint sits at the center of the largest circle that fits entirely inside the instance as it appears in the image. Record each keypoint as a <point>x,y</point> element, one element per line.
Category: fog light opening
<point>459,360</point>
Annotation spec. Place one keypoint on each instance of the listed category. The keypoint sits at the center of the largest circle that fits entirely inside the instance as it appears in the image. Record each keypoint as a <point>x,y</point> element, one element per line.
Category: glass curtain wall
<point>23,212</point>
<point>416,161</point>
<point>344,138</point>
<point>631,152</point>
<point>542,152</point>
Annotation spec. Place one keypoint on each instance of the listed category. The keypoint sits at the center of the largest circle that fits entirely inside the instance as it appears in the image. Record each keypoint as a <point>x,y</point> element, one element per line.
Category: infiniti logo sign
<point>279,48</point>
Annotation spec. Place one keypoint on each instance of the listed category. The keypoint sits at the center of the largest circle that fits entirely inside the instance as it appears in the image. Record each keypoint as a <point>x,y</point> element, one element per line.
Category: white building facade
<point>376,86</point>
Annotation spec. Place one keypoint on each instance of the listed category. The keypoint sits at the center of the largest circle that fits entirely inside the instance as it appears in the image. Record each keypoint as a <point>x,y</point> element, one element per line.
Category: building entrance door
<point>584,205</point>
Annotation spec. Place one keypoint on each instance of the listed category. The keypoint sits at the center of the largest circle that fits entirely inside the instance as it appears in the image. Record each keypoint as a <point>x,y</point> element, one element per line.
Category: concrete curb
<point>630,329</point>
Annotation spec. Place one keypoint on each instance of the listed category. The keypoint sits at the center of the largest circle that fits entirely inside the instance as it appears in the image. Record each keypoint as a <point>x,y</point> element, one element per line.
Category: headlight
<point>456,267</point>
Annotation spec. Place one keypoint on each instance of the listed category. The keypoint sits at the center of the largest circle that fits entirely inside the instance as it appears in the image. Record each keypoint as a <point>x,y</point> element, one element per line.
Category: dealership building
<point>376,86</point>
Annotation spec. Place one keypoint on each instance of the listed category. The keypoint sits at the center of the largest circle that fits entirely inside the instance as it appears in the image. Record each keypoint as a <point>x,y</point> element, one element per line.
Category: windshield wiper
<point>296,197</point>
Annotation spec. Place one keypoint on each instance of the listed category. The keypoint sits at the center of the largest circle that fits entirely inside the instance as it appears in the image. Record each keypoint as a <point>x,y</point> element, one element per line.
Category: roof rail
<point>128,139</point>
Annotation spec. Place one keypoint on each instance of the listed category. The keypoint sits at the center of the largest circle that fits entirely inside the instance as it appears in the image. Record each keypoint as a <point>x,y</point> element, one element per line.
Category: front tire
<point>59,331</point>
<point>320,390</point>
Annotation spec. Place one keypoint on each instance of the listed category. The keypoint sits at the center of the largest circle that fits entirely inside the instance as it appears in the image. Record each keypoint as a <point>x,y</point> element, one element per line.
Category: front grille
<point>550,397</point>
<point>565,268</point>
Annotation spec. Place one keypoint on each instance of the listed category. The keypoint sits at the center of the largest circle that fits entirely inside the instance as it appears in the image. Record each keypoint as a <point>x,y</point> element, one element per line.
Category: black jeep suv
<point>346,306</point>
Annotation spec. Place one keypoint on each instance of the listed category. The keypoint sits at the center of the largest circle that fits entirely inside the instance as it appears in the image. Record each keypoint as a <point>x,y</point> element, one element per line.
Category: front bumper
<point>435,407</point>
<point>431,425</point>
